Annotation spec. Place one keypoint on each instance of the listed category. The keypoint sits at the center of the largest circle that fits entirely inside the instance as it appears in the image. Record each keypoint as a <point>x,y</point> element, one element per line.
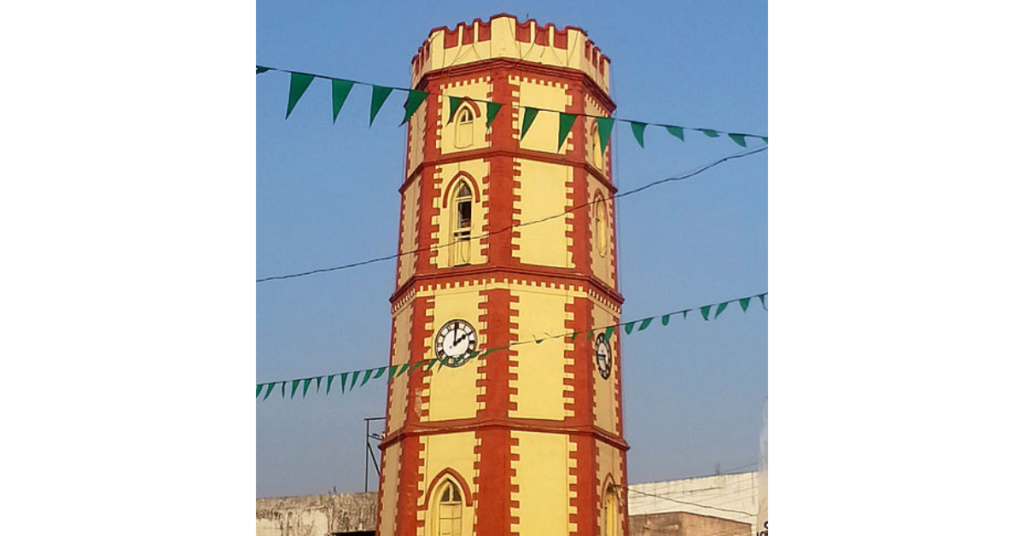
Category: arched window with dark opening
<point>601,225</point>
<point>462,224</point>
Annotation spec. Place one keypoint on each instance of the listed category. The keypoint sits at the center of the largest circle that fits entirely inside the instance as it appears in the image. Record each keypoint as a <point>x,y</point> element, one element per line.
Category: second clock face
<point>454,341</point>
<point>603,356</point>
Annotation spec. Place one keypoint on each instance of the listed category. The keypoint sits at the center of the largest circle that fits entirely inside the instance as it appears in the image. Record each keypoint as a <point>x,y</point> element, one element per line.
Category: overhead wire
<point>684,176</point>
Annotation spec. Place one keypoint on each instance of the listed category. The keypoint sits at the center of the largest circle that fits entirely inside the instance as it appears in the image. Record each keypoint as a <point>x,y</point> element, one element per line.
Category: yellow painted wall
<point>417,125</point>
<point>542,474</point>
<point>454,451</point>
<point>389,500</point>
<point>608,463</point>
<point>542,189</point>
<point>604,390</point>
<point>453,391</point>
<point>477,89</point>
<point>445,219</point>
<point>540,367</point>
<point>503,44</point>
<point>410,230</point>
<point>399,355</point>
<point>602,265</point>
<point>543,133</point>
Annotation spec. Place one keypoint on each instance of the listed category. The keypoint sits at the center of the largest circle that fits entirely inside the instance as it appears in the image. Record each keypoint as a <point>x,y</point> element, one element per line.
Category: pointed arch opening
<point>462,222</point>
<point>601,225</point>
<point>465,121</point>
<point>449,501</point>
<point>610,512</point>
<point>596,154</point>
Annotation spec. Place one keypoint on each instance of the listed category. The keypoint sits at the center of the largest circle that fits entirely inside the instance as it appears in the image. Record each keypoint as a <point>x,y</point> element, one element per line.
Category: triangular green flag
<point>305,386</point>
<point>430,364</point>
<point>565,122</point>
<point>765,138</point>
<point>721,307</point>
<point>298,86</point>
<point>366,377</point>
<point>259,387</point>
<point>380,94</point>
<point>590,335</point>
<point>415,366</point>
<point>676,131</point>
<point>744,302</point>
<point>339,92</point>
<point>295,387</point>
<point>260,69</point>
<point>665,319</point>
<point>488,351</point>
<point>318,383</point>
<point>391,372</point>
<point>708,132</point>
<point>574,335</point>
<point>638,131</point>
<point>416,98</point>
<point>644,323</point>
<point>329,380</point>
<point>761,297</point>
<point>529,114</point>
<point>629,327</point>
<point>405,366</point>
<point>492,112</point>
<point>453,106</point>
<point>380,372</point>
<point>608,333</point>
<point>343,378</point>
<point>271,384</point>
<point>686,311</point>
<point>704,311</point>
<point>604,131</point>
<point>739,138</point>
<point>284,388</point>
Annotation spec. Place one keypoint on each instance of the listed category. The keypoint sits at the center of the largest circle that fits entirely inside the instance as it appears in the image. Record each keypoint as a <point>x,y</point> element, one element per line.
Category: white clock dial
<point>454,341</point>
<point>603,356</point>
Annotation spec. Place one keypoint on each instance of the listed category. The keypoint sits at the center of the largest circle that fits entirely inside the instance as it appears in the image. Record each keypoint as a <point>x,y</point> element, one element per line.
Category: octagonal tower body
<point>527,441</point>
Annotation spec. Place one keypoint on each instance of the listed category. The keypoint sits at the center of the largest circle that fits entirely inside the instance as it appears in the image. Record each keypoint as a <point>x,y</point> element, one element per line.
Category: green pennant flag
<point>708,132</point>
<point>415,366</point>
<point>339,92</point>
<point>295,387</point>
<point>260,69</point>
<point>529,114</point>
<point>761,297</point>
<point>590,335</point>
<point>318,383</point>
<point>644,323</point>
<point>676,131</point>
<point>638,132</point>
<point>366,378</point>
<point>686,311</point>
<point>412,103</point>
<point>739,139</point>
<point>380,372</point>
<point>744,302</point>
<point>565,122</point>
<point>721,307</point>
<point>604,131</point>
<point>271,384</point>
<point>574,335</point>
<point>305,386</point>
<point>765,138</point>
<point>492,112</point>
<point>330,379</point>
<point>453,106</point>
<point>629,327</point>
<point>665,319</point>
<point>608,333</point>
<point>259,387</point>
<point>380,94</point>
<point>704,311</point>
<point>391,372</point>
<point>298,86</point>
<point>283,389</point>
<point>430,364</point>
<point>400,371</point>
<point>343,379</point>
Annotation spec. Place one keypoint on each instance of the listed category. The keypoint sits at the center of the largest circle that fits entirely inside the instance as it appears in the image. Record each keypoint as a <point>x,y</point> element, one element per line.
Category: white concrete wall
<point>726,496</point>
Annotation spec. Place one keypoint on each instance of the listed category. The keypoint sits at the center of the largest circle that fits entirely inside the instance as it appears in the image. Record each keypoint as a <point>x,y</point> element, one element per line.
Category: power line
<point>685,176</point>
<point>631,490</point>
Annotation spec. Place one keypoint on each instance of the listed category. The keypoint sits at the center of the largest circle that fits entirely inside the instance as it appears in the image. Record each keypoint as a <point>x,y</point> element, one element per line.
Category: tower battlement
<point>503,36</point>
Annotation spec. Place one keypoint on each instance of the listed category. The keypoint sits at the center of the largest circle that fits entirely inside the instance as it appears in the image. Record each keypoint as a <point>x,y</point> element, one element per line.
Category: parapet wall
<point>503,36</point>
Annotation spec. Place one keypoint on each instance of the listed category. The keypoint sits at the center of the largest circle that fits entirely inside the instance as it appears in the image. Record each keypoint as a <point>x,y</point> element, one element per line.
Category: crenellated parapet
<point>503,36</point>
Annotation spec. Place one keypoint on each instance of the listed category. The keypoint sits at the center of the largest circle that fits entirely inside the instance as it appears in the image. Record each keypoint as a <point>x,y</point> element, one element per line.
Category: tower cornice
<point>528,425</point>
<point>527,154</point>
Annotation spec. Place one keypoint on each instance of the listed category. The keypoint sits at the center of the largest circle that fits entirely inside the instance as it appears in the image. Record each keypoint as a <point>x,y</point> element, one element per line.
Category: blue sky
<point>327,195</point>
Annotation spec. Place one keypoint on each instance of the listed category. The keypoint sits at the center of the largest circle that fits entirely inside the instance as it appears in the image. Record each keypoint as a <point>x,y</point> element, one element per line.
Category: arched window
<point>596,155</point>
<point>611,513</point>
<point>462,223</point>
<point>464,119</point>
<point>601,225</point>
<point>447,515</point>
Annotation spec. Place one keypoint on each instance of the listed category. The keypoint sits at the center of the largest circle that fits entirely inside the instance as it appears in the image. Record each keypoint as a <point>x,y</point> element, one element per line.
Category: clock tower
<point>526,440</point>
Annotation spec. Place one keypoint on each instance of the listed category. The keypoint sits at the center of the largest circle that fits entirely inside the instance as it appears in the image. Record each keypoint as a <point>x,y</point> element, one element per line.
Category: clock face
<point>603,355</point>
<point>453,341</point>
